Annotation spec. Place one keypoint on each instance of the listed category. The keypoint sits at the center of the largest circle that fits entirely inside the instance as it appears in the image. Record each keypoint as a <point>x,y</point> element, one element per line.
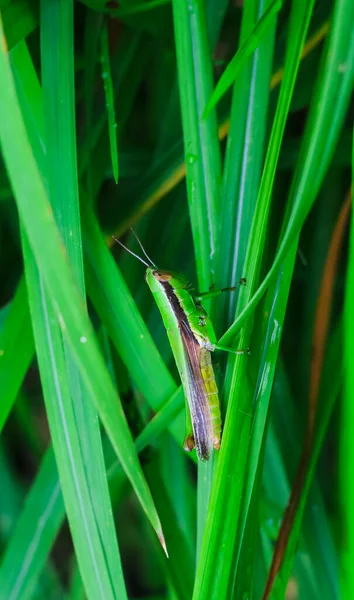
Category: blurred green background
<point>104,127</point>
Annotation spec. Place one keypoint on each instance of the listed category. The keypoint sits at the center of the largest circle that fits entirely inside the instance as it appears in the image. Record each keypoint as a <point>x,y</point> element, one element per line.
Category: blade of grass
<point>243,53</point>
<point>138,8</point>
<point>201,146</point>
<point>160,189</point>
<point>60,140</point>
<point>61,417</point>
<point>274,314</point>
<point>16,333</point>
<point>318,552</point>
<point>333,89</point>
<point>330,388</point>
<point>18,578</point>
<point>288,527</point>
<point>214,571</point>
<point>115,305</point>
<point>244,159</point>
<point>20,19</point>
<point>203,164</point>
<point>108,90</point>
<point>43,512</point>
<point>59,280</point>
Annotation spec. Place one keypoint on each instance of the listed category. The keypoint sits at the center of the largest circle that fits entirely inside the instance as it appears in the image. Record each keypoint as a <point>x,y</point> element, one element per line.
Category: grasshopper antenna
<point>131,252</point>
<point>142,247</point>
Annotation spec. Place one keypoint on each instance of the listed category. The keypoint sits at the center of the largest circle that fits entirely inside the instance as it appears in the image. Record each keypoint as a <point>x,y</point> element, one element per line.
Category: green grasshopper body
<point>192,338</point>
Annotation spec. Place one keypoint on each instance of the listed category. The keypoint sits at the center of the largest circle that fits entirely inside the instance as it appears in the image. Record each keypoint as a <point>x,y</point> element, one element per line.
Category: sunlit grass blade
<point>116,307</point>
<point>61,417</point>
<point>60,282</point>
<point>237,62</point>
<point>60,138</point>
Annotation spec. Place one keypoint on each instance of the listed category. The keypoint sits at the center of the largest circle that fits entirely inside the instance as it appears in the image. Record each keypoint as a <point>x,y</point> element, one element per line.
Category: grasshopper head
<point>176,280</point>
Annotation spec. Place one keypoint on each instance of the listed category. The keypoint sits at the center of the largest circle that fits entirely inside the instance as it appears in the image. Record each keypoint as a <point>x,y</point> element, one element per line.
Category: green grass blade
<point>60,126</point>
<point>332,95</point>
<point>243,160</point>
<point>248,47</point>
<point>203,161</point>
<point>108,90</point>
<point>60,282</point>
<point>215,572</point>
<point>16,333</point>
<point>61,417</point>
<point>125,360</point>
<point>43,512</point>
<point>201,145</point>
<point>20,18</point>
<point>274,313</point>
<point>115,305</point>
<point>19,577</point>
<point>329,391</point>
<point>138,8</point>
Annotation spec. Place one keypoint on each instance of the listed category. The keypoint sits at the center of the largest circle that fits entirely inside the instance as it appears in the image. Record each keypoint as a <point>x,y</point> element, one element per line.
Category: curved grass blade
<point>213,574</point>
<point>176,172</point>
<point>57,64</point>
<point>237,62</point>
<point>66,441</point>
<point>44,512</point>
<point>116,306</point>
<point>333,90</point>
<point>60,283</point>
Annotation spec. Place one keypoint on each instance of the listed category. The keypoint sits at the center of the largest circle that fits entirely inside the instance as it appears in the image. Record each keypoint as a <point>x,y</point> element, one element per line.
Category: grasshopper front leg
<point>222,348</point>
<point>216,292</point>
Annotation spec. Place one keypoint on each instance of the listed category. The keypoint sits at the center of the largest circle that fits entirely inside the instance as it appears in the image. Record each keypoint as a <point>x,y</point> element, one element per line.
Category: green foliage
<point>91,410</point>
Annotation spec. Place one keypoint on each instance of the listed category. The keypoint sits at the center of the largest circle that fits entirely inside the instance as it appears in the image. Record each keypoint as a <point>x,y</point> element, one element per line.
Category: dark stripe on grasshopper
<point>196,393</point>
